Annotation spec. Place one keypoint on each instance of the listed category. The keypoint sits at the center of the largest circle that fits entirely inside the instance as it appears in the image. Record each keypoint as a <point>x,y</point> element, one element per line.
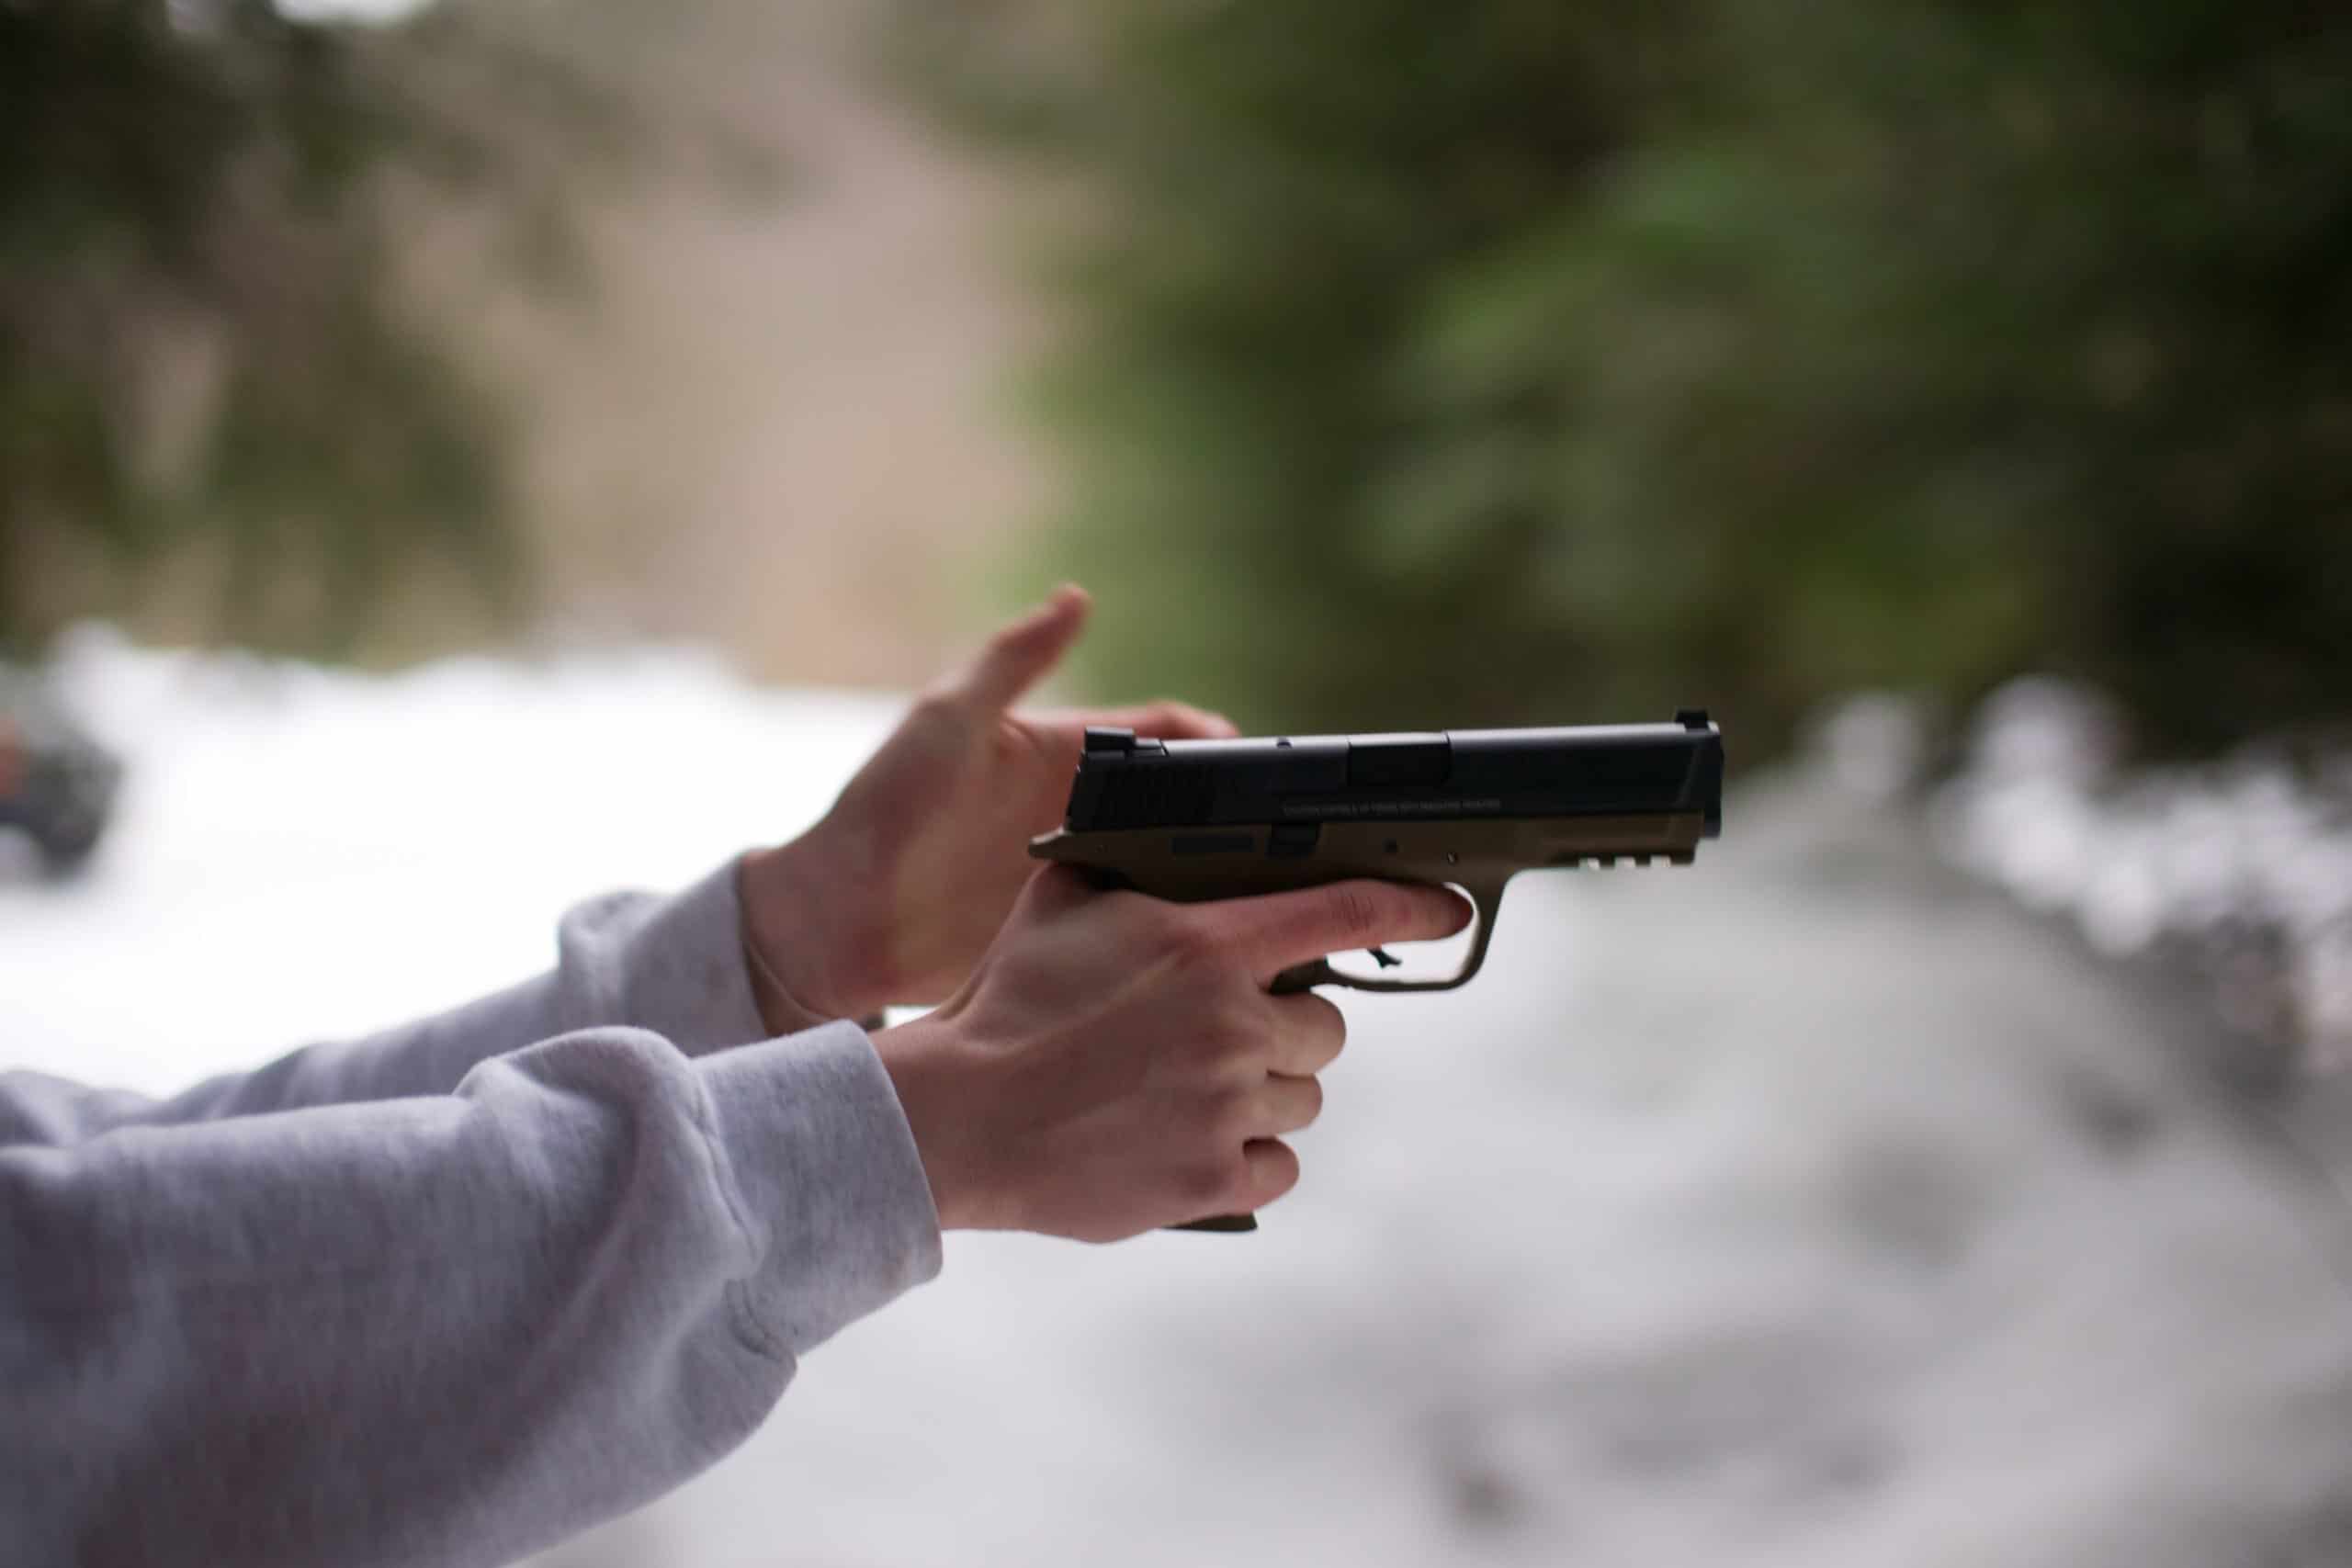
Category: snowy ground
<point>1808,1207</point>
<point>2241,868</point>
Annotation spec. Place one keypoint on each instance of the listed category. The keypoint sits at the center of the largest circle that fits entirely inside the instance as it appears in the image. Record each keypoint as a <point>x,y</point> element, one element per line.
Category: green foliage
<point>205,344</point>
<point>1520,360</point>
<point>181,213</point>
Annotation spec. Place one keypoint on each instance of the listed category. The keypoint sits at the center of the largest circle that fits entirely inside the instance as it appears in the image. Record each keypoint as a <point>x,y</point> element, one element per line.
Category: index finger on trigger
<point>1279,931</point>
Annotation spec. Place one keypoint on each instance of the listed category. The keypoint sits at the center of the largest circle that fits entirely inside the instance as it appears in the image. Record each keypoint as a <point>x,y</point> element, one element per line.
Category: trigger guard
<point>1305,977</point>
<point>1486,898</point>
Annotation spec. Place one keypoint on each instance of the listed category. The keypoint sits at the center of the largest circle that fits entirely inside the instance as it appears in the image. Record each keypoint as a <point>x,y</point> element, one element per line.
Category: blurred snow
<point>1810,1206</point>
<point>379,12</point>
<point>1874,745</point>
<point>291,838</point>
<point>2247,863</point>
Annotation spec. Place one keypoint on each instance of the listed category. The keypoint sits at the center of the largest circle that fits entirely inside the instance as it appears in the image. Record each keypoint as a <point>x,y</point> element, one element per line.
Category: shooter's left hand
<point>894,895</point>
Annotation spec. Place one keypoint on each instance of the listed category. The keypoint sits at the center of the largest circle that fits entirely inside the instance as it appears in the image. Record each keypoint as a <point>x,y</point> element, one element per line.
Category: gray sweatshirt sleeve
<point>673,966</point>
<point>494,1296</point>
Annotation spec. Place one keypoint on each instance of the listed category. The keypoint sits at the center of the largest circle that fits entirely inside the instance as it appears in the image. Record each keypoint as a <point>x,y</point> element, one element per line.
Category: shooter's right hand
<point>1116,1063</point>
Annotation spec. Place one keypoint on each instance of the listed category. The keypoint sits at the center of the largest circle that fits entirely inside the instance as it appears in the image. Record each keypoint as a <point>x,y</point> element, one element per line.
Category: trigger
<point>1384,958</point>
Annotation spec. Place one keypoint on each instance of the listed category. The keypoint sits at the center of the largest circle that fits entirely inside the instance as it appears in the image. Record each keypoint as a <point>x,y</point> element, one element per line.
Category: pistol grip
<point>1290,982</point>
<point>1225,1224</point>
<point>1485,895</point>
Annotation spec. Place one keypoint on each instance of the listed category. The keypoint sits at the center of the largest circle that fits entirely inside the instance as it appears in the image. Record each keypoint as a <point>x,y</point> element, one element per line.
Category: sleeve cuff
<point>831,1185</point>
<point>673,966</point>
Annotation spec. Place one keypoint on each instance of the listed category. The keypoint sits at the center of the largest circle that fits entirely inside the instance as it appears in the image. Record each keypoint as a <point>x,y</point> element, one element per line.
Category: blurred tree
<point>204,340</point>
<point>1521,360</point>
<point>195,334</point>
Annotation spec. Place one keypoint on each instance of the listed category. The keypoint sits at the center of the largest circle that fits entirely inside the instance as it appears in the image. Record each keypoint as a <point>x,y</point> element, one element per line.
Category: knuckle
<point>934,703</point>
<point>1213,1055</point>
<point>1355,913</point>
<point>1311,1100</point>
<point>1231,1117</point>
<point>1191,937</point>
<point>1009,746</point>
<point>1207,1180</point>
<point>1228,1039</point>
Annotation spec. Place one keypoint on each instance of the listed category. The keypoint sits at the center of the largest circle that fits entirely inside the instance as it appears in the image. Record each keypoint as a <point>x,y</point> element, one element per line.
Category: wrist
<point>791,920</point>
<point>931,1070</point>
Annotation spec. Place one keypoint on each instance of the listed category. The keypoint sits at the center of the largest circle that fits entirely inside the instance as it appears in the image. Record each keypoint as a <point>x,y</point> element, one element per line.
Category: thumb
<point>1022,653</point>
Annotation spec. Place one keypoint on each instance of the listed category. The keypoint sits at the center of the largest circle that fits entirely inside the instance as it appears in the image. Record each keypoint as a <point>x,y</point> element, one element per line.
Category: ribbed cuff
<point>833,1187</point>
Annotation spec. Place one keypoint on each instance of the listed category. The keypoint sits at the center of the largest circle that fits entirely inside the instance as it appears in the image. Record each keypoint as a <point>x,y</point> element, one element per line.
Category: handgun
<point>1190,820</point>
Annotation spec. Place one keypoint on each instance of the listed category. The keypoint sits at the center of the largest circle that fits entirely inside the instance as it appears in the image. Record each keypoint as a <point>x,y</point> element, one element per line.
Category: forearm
<point>673,966</point>
<point>445,1330</point>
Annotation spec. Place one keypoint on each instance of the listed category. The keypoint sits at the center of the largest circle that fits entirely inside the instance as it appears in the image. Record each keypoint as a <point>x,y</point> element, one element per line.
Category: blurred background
<point>402,402</point>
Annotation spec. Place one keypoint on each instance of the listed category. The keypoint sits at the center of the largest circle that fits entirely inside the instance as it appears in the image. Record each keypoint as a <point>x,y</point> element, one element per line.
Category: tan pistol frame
<point>1477,854</point>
